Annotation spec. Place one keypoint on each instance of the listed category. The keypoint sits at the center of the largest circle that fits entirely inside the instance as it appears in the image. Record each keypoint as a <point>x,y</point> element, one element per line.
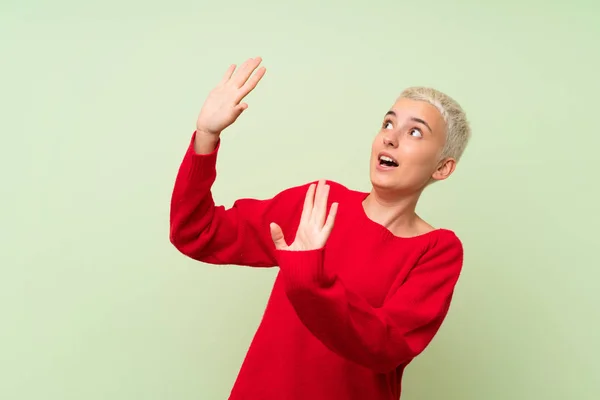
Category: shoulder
<point>446,238</point>
<point>445,248</point>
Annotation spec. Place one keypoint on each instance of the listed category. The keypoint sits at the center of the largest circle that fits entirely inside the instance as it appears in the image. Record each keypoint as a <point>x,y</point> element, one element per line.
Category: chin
<point>384,181</point>
<point>387,182</point>
<point>382,184</point>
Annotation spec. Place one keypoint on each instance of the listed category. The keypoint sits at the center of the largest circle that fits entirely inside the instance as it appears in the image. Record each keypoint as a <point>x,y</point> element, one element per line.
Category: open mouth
<point>387,161</point>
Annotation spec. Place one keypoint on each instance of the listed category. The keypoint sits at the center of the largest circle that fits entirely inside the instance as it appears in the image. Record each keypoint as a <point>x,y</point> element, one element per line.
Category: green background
<point>98,102</point>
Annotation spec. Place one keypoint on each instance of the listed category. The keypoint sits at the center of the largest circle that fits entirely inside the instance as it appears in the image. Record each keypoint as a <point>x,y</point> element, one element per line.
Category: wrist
<point>205,142</point>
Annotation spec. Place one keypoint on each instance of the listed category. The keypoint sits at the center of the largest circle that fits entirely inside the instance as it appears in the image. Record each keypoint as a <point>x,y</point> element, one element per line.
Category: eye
<point>387,125</point>
<point>416,132</point>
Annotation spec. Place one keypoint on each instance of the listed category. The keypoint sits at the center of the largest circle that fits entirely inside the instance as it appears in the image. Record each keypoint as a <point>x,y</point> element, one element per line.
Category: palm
<point>223,105</point>
<point>315,224</point>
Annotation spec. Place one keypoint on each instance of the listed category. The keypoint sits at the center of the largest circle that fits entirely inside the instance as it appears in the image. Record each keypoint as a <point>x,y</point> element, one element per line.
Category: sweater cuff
<point>202,167</point>
<point>303,269</point>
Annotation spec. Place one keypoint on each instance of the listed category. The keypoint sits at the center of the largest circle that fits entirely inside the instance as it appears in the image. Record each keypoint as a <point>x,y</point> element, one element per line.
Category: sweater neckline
<point>381,230</point>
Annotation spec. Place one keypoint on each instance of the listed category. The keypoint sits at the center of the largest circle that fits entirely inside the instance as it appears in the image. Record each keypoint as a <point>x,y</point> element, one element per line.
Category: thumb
<point>277,236</point>
<point>240,108</point>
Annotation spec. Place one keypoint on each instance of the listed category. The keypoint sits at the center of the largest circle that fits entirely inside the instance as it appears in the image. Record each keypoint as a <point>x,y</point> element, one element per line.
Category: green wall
<point>97,106</point>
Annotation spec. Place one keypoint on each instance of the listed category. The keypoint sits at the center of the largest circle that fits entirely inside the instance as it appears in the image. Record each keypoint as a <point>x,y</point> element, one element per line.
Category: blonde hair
<point>458,130</point>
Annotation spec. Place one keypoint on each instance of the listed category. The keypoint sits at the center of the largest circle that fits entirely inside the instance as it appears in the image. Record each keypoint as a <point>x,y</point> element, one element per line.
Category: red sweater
<point>342,322</point>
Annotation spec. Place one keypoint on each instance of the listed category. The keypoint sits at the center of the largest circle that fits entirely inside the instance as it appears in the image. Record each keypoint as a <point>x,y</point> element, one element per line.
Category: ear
<point>444,169</point>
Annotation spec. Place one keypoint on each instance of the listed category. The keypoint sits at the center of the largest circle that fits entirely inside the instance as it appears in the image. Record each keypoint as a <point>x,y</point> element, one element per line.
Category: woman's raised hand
<point>224,103</point>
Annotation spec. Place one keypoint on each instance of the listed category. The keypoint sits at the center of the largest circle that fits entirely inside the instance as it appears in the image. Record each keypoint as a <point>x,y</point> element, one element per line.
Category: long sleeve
<point>211,233</point>
<point>380,338</point>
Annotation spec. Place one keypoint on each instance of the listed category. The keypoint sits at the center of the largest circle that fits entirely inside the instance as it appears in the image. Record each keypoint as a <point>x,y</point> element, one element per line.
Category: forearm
<point>339,318</point>
<point>192,208</point>
<point>380,338</point>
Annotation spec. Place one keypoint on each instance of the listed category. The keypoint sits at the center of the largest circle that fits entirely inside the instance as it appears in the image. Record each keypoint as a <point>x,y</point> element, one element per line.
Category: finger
<point>252,82</point>
<point>228,73</point>
<point>241,107</point>
<point>277,236</point>
<point>327,228</point>
<point>320,207</point>
<point>308,203</point>
<point>240,78</point>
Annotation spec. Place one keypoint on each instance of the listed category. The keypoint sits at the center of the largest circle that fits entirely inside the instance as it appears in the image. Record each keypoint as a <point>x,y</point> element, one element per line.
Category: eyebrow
<point>415,119</point>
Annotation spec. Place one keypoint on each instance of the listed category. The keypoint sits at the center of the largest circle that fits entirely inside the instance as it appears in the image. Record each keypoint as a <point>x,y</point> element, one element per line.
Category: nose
<point>390,141</point>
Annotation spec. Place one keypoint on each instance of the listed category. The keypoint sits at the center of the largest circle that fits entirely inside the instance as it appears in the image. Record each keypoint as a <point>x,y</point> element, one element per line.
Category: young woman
<point>364,283</point>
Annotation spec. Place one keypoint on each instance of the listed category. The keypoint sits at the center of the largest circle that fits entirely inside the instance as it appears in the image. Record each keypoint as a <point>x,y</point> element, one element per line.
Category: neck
<point>396,212</point>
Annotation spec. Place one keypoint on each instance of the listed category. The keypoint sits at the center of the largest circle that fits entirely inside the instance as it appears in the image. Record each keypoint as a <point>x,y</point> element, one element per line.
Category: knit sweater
<point>342,322</point>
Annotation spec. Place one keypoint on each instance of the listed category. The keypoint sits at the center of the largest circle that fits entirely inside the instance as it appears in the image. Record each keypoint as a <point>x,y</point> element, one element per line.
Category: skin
<point>412,133</point>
